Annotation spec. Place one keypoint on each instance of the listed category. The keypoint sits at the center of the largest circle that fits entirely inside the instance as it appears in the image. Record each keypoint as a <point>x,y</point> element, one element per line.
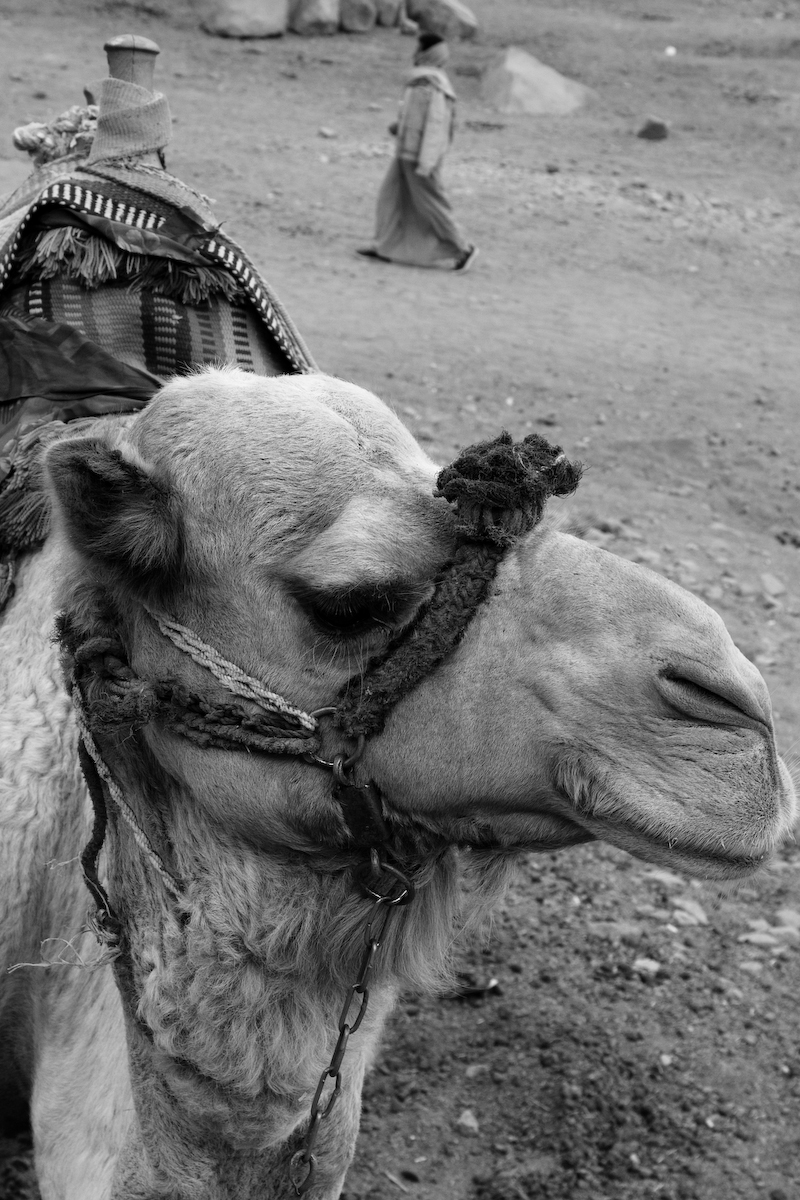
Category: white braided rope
<point>125,810</point>
<point>234,678</point>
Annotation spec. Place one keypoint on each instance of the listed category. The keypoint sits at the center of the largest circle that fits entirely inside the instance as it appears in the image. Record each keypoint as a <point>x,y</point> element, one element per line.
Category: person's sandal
<point>467,259</point>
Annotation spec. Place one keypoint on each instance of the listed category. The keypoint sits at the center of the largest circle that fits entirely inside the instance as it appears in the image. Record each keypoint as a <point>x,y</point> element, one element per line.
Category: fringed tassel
<point>92,261</point>
<point>89,261</point>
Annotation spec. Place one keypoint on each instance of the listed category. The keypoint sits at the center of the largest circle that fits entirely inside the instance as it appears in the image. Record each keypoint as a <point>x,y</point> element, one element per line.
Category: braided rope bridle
<point>499,490</point>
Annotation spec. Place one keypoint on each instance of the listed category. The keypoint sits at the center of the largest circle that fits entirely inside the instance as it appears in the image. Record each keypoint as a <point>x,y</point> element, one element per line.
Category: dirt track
<point>637,302</point>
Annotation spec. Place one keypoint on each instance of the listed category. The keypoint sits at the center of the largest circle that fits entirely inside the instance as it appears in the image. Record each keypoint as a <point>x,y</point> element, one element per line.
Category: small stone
<point>758,939</point>
<point>649,558</point>
<point>788,916</point>
<point>751,966</point>
<point>772,585</point>
<point>666,1060</point>
<point>653,130</point>
<point>467,1124</point>
<point>666,877</point>
<point>475,1069</point>
<point>692,908</point>
<point>679,917</point>
<point>325,132</point>
<point>629,932</point>
<point>648,968</point>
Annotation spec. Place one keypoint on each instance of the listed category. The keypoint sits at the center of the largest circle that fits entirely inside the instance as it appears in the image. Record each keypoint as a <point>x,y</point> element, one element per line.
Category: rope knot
<point>113,694</point>
<point>499,488</point>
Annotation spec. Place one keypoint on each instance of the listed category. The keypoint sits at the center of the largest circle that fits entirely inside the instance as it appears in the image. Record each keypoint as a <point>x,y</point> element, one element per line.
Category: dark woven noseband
<point>499,490</point>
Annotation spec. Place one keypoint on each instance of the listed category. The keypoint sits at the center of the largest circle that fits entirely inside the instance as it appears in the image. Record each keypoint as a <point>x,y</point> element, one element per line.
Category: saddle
<point>114,276</point>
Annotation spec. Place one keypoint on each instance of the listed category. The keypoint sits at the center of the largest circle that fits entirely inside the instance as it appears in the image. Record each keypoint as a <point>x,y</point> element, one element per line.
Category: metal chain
<point>302,1168</point>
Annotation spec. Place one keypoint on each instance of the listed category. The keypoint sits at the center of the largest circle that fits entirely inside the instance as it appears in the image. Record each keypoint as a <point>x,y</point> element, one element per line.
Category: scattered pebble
<point>390,1175</point>
<point>772,585</point>
<point>689,908</point>
<point>648,968</point>
<point>475,1069</point>
<point>666,877</point>
<point>666,1060</point>
<point>750,965</point>
<point>653,130</point>
<point>467,1123</point>
<point>789,917</point>
<point>758,939</point>
<point>325,131</point>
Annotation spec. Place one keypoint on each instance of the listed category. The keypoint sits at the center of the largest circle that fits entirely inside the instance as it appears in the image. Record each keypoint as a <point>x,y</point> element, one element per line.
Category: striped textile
<point>153,332</point>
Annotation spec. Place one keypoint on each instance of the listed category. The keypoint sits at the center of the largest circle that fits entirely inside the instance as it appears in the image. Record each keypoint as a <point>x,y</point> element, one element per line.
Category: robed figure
<point>414,222</point>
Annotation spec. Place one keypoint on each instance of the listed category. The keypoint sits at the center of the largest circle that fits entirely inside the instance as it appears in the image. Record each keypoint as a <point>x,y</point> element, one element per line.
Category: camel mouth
<point>675,854</point>
<point>638,837</point>
<point>716,864</point>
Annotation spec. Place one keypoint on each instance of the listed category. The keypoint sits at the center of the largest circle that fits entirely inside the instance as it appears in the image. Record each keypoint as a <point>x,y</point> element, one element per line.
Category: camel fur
<point>589,698</point>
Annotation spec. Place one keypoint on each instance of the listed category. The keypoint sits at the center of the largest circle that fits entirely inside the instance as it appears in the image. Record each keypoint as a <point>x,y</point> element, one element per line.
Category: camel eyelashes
<point>355,610</point>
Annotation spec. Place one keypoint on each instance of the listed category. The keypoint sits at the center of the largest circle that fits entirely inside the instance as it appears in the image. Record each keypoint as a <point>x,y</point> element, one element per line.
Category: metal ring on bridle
<point>340,762</point>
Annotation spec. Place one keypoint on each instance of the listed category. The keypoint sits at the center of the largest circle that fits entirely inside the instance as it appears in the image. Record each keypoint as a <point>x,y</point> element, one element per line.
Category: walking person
<point>414,220</point>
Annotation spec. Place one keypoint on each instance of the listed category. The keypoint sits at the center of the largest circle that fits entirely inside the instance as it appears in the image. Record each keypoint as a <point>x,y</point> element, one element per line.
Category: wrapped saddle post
<point>114,275</point>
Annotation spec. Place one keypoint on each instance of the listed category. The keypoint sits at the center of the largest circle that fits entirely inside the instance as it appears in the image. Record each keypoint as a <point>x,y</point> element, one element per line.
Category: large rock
<point>357,16</point>
<point>314,17</point>
<point>245,18</point>
<point>449,18</point>
<point>388,12</point>
<point>516,82</point>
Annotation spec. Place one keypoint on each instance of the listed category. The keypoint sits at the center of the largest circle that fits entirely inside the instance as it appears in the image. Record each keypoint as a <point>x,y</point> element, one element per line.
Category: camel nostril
<point>724,699</point>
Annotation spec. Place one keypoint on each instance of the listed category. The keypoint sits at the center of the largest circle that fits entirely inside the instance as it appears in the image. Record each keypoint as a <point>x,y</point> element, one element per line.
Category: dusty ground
<point>637,302</point>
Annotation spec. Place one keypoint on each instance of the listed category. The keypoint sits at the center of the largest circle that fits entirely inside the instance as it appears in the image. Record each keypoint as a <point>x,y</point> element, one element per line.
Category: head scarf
<point>436,55</point>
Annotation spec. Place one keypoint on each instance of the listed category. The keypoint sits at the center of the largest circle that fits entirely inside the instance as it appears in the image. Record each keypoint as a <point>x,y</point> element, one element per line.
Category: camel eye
<point>354,611</point>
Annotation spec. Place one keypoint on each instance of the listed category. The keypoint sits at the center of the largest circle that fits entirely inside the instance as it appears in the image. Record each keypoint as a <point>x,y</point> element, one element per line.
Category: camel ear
<point>115,512</point>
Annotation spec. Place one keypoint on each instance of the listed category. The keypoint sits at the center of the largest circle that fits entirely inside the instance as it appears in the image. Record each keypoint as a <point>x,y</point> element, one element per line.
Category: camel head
<point>292,524</point>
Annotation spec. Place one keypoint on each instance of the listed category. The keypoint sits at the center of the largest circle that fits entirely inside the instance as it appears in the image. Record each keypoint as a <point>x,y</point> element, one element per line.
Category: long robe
<point>414,222</point>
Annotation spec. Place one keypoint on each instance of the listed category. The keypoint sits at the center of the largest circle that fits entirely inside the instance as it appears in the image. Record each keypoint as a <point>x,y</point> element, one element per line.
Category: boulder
<point>314,17</point>
<point>449,18</point>
<point>516,82</point>
<point>388,12</point>
<point>245,18</point>
<point>357,16</point>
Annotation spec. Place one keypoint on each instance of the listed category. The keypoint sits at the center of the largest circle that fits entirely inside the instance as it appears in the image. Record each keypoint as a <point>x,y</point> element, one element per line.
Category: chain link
<point>302,1168</point>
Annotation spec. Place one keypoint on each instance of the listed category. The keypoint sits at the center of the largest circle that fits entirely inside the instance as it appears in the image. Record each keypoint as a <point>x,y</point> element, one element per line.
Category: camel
<point>242,558</point>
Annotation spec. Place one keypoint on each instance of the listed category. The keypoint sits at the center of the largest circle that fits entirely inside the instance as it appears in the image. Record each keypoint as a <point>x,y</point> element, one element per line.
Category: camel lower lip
<point>740,864</point>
